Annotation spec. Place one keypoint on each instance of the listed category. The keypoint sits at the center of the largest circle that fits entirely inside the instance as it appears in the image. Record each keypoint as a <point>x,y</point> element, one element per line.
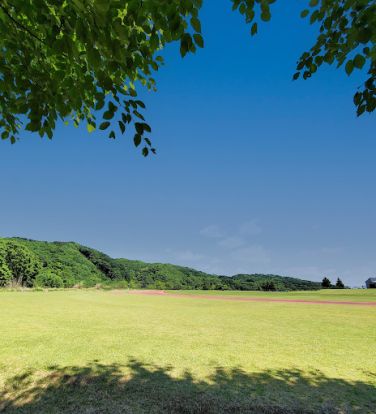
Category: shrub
<point>46,278</point>
<point>68,280</point>
<point>118,284</point>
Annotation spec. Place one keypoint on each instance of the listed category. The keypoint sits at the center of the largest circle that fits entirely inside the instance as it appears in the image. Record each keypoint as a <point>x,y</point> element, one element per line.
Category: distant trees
<point>34,263</point>
<point>326,283</point>
<point>340,284</point>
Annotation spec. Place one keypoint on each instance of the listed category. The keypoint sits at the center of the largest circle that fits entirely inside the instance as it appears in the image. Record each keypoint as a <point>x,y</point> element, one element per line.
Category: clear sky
<point>254,172</point>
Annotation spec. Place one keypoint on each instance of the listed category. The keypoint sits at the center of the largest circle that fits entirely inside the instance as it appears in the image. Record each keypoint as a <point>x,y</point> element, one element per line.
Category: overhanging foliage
<point>81,60</point>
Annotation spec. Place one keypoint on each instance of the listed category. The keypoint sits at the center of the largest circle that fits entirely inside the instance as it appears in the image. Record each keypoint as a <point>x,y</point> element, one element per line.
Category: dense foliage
<point>82,60</point>
<point>47,278</point>
<point>18,264</point>
<point>57,264</point>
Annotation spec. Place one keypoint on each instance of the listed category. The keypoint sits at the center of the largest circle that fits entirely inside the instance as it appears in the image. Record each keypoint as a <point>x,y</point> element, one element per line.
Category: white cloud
<point>331,250</point>
<point>251,254</point>
<point>188,256</point>
<point>250,228</point>
<point>232,242</point>
<point>212,231</point>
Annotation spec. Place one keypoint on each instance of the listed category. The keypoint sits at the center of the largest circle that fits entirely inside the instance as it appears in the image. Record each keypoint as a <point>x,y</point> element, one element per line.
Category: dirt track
<point>247,299</point>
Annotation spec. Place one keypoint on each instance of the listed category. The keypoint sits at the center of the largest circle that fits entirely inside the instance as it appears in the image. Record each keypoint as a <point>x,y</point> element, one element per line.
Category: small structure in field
<point>371,283</point>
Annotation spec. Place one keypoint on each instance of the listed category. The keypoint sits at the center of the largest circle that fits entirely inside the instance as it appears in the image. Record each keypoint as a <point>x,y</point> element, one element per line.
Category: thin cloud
<point>213,231</point>
<point>250,228</point>
<point>251,254</point>
<point>188,256</point>
<point>232,242</point>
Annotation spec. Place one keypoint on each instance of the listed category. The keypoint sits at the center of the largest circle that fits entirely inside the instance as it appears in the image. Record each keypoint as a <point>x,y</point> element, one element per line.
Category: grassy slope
<point>182,355</point>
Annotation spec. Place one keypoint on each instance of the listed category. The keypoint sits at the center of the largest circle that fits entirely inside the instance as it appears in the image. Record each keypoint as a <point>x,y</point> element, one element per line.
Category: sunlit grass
<point>44,332</point>
<point>351,295</point>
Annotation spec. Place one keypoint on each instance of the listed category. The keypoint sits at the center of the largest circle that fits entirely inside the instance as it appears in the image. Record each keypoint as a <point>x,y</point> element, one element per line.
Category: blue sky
<point>254,172</point>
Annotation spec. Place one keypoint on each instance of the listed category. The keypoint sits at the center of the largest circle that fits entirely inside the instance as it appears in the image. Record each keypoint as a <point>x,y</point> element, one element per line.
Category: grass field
<point>110,352</point>
<point>351,295</point>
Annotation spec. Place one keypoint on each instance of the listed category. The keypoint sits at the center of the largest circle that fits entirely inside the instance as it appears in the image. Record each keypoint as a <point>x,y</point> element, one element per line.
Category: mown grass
<point>350,295</point>
<point>111,352</point>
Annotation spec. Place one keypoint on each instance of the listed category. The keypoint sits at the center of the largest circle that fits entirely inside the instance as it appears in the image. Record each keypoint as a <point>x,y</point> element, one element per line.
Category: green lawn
<point>110,352</point>
<point>350,295</point>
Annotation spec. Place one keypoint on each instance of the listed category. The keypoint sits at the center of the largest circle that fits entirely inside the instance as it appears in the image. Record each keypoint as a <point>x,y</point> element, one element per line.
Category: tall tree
<point>326,283</point>
<point>81,60</point>
<point>340,284</point>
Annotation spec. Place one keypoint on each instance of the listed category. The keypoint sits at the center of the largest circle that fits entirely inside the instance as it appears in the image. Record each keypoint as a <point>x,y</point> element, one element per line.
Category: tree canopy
<point>82,60</point>
<point>18,265</point>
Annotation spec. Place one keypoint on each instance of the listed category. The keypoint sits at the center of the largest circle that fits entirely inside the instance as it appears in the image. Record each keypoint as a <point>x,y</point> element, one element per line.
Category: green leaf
<point>5,135</point>
<point>137,140</point>
<point>349,67</point>
<point>265,15</point>
<point>254,29</point>
<point>139,128</point>
<point>108,115</point>
<point>146,127</point>
<point>122,127</point>
<point>195,22</point>
<point>141,104</point>
<point>359,61</point>
<point>139,115</point>
<point>296,75</point>
<point>104,125</point>
<point>112,107</point>
<point>304,13</point>
<point>198,40</point>
<point>90,128</point>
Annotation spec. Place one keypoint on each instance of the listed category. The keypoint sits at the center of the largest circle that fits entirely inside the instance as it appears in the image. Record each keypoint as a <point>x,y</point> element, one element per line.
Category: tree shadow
<point>141,388</point>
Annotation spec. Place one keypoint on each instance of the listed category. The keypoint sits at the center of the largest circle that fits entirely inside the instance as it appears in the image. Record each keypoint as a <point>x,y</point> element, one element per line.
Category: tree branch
<point>20,25</point>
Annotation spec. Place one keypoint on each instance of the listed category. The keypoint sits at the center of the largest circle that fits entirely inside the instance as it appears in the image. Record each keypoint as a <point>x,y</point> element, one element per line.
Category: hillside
<point>66,264</point>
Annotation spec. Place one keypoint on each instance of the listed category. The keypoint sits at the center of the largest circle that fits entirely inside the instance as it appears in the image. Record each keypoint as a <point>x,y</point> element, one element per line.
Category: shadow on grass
<point>140,388</point>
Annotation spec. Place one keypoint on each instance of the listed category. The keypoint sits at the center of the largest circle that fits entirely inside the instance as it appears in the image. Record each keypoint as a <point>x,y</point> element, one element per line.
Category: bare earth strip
<point>247,299</point>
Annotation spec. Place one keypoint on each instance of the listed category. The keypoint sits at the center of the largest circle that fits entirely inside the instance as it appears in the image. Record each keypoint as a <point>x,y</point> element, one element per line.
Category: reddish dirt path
<point>247,299</point>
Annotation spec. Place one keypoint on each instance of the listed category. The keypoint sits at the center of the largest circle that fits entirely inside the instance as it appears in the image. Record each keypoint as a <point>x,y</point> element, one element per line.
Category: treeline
<point>57,264</point>
<point>327,284</point>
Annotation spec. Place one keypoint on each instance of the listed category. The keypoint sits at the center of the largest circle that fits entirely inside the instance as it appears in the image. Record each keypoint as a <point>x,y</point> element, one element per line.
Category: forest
<point>31,263</point>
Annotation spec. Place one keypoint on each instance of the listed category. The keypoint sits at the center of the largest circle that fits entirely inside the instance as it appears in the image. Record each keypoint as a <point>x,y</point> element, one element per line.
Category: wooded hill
<point>67,264</point>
